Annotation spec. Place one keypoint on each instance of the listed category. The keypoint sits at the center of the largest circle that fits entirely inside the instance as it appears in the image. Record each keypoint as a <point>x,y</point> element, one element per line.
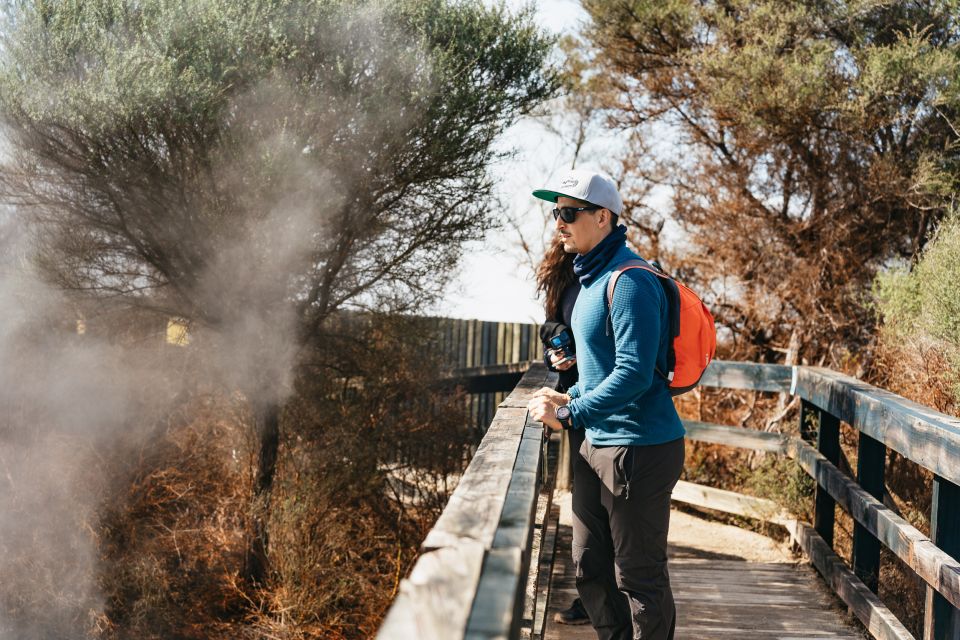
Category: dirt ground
<point>689,531</point>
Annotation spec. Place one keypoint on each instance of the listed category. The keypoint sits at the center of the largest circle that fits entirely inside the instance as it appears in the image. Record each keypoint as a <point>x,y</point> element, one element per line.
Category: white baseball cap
<point>582,184</point>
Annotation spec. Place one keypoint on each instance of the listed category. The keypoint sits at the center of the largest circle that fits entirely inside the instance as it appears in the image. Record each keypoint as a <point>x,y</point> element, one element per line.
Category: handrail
<point>470,576</point>
<point>884,420</point>
<point>472,572</point>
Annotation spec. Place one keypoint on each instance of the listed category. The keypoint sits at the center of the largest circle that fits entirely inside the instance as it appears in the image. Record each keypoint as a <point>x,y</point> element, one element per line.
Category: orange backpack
<point>694,335</point>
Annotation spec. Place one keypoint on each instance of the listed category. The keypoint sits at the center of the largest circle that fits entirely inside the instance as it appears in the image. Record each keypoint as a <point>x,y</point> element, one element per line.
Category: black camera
<point>562,343</point>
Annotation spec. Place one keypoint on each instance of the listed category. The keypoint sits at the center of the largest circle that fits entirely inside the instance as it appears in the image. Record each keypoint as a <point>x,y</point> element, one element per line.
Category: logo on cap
<point>569,182</point>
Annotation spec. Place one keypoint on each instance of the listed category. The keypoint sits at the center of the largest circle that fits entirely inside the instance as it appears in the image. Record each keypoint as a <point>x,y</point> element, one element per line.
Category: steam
<point>84,384</point>
<point>72,403</point>
<point>61,395</point>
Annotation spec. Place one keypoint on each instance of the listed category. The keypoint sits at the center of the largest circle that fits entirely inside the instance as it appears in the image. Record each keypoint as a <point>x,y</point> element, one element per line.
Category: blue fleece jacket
<point>620,399</point>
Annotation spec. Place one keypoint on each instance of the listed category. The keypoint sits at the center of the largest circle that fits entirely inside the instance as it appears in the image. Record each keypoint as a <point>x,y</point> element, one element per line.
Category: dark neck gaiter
<point>587,266</point>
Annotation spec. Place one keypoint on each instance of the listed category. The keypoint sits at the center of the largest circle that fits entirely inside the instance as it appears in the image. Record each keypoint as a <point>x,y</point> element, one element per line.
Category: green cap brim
<point>549,196</point>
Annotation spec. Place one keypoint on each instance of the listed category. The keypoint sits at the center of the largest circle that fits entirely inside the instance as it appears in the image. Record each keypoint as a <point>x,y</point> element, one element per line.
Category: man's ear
<point>603,217</point>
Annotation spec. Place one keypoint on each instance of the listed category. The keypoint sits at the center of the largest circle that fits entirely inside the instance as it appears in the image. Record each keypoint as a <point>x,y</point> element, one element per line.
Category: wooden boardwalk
<point>485,567</point>
<point>721,597</point>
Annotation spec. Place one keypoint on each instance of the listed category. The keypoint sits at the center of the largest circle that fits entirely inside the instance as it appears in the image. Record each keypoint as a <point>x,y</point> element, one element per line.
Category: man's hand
<point>543,407</point>
<point>556,356</point>
<point>553,395</point>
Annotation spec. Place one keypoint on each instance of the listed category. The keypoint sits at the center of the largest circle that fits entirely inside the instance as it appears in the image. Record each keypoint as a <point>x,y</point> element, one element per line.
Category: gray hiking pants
<point>621,513</point>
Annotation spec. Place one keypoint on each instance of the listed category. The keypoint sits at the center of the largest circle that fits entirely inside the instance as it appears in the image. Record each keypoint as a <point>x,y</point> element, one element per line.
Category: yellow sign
<point>177,332</point>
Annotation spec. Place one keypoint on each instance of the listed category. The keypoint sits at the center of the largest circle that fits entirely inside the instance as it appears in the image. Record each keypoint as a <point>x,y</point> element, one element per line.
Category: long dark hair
<point>554,274</point>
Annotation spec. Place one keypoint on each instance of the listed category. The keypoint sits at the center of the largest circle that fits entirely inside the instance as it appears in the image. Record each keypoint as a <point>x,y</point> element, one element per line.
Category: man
<point>633,453</point>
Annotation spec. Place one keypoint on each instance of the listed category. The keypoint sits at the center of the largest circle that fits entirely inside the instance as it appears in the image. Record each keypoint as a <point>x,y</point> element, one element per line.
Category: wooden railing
<point>471,577</point>
<point>469,581</point>
<point>884,421</point>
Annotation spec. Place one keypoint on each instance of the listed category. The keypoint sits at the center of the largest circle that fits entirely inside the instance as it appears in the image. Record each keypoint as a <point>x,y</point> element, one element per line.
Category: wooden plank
<point>435,601</point>
<point>478,343</point>
<point>548,550</point>
<point>729,502</point>
<point>828,444</point>
<point>474,509</point>
<point>492,510</point>
<point>941,619</point>
<point>525,344</point>
<point>489,343</point>
<point>864,604</point>
<point>731,599</point>
<point>536,377</point>
<point>501,338</point>
<point>515,526</point>
<point>471,339</point>
<point>927,437</point>
<point>871,460</point>
<point>748,375</point>
<point>484,356</point>
<point>498,607</point>
<point>936,567</point>
<point>736,436</point>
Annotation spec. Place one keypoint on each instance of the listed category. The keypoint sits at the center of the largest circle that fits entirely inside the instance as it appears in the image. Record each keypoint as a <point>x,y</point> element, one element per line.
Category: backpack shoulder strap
<point>626,266</point>
<point>672,294</point>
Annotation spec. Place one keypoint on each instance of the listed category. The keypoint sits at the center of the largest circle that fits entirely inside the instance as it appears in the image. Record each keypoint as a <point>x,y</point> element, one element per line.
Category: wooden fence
<point>474,348</point>
<point>468,581</point>
<point>883,421</point>
<point>471,577</point>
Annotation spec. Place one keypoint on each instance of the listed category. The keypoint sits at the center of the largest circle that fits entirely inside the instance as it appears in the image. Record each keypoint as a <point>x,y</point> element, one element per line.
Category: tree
<point>812,144</point>
<point>255,166</point>
<point>920,309</point>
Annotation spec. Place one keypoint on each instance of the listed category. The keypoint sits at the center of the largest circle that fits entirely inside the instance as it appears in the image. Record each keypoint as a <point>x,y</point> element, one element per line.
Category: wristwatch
<point>564,416</point>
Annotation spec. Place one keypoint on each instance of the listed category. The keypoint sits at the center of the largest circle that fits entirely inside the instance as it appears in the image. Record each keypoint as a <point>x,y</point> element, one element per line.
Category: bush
<point>783,481</point>
<point>920,309</point>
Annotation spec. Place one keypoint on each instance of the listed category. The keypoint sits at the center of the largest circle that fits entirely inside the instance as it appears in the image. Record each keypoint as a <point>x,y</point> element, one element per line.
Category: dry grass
<point>174,538</point>
<point>143,531</point>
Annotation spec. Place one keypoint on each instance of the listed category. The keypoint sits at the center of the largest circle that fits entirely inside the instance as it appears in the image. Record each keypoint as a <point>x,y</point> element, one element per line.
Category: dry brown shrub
<point>173,538</point>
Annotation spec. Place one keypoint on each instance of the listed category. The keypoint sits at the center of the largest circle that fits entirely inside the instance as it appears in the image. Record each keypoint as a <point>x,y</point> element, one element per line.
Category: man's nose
<point>559,224</point>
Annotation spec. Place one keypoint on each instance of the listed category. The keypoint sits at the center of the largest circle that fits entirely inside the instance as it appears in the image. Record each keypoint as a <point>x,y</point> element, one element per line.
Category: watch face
<point>563,413</point>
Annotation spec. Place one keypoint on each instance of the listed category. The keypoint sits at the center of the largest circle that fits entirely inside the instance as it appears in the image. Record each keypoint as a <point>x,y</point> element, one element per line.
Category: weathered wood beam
<point>470,578</point>
<point>748,375</point>
<point>927,437</point>
<point>738,504</point>
<point>865,604</point>
<point>740,437</point>
<point>435,600</point>
<point>473,510</point>
<point>941,618</point>
<point>871,465</point>
<point>498,606</point>
<point>937,568</point>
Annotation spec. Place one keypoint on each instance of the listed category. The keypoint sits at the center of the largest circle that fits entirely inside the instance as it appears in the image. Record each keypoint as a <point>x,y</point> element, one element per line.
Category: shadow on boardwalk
<point>728,583</point>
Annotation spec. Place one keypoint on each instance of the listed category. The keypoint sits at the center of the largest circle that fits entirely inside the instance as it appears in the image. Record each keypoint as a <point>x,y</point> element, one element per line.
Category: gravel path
<point>688,532</point>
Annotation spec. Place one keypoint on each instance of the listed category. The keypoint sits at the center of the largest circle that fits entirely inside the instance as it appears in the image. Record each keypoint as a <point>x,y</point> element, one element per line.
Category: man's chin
<point>569,246</point>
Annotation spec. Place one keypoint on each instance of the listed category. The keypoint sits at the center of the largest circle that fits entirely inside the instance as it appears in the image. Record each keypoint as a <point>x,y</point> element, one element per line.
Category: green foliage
<point>923,304</point>
<point>783,481</point>
<point>339,146</point>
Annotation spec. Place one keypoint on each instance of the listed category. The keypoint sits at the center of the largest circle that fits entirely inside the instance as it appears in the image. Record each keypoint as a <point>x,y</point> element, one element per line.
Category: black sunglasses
<point>569,214</point>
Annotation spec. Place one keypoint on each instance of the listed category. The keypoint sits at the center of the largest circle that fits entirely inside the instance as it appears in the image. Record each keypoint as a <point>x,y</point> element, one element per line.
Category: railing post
<point>871,459</point>
<point>941,620</point>
<point>828,443</point>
